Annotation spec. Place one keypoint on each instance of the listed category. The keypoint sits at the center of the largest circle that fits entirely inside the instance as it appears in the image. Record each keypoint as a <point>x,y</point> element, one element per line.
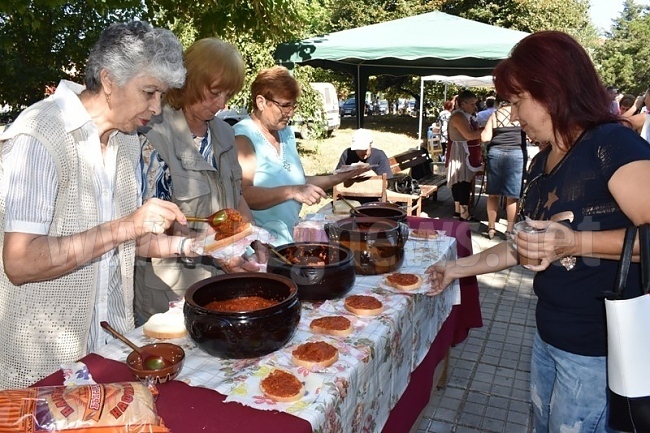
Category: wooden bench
<point>404,161</point>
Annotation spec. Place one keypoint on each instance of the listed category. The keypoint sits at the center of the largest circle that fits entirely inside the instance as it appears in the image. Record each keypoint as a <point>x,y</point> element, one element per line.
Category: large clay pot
<point>245,334</point>
<point>377,244</point>
<point>320,270</point>
<point>382,210</point>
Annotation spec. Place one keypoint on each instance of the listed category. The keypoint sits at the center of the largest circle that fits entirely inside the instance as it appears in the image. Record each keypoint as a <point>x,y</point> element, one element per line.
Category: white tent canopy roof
<point>462,80</point>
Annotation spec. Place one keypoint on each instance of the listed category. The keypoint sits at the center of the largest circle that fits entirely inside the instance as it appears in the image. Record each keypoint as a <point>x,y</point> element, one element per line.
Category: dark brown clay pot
<point>382,210</point>
<point>316,282</point>
<point>377,244</point>
<point>246,334</point>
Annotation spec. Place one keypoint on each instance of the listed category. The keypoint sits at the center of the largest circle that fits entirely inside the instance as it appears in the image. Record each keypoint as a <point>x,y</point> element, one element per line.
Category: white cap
<point>361,140</point>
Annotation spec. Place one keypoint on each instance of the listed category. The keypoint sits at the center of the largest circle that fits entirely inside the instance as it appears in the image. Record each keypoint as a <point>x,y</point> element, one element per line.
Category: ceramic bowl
<point>377,244</point>
<point>174,357</point>
<point>320,270</point>
<point>242,334</point>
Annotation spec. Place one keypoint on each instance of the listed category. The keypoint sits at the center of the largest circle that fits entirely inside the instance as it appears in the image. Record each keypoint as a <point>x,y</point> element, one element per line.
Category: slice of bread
<point>332,325</point>
<point>363,305</point>
<point>424,234</point>
<point>170,324</point>
<point>315,354</point>
<point>404,282</point>
<point>211,244</point>
<point>282,386</point>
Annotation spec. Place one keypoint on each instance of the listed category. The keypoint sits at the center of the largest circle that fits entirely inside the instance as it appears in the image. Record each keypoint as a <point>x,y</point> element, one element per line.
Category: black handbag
<point>628,343</point>
<point>404,185</point>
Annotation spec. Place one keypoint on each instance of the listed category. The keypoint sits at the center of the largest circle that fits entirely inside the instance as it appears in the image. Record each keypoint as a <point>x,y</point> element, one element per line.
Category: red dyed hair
<point>557,72</point>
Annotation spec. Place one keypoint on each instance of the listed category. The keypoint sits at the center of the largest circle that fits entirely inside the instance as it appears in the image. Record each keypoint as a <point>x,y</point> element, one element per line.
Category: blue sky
<point>604,11</point>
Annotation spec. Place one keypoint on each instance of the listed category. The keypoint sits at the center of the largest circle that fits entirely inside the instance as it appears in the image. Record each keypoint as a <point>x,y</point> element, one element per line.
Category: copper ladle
<point>150,362</point>
<point>213,220</point>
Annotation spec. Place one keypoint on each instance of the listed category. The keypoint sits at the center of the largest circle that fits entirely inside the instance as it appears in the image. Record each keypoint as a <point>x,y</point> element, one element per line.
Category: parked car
<point>349,107</point>
<point>383,107</point>
<point>232,115</point>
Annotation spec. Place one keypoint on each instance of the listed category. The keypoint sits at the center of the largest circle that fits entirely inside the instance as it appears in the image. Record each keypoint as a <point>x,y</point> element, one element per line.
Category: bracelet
<point>181,247</point>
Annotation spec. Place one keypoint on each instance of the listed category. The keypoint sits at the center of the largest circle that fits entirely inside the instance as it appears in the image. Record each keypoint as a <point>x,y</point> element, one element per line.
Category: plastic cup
<point>524,227</point>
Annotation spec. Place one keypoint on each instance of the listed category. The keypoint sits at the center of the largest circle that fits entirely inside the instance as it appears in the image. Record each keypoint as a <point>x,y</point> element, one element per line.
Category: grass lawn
<point>392,134</point>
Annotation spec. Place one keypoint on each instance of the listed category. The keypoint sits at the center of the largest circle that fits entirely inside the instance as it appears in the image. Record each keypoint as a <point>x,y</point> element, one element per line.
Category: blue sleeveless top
<point>274,170</point>
<point>570,308</point>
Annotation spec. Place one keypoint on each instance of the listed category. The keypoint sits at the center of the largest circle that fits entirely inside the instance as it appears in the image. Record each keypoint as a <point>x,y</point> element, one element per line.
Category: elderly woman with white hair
<point>70,204</point>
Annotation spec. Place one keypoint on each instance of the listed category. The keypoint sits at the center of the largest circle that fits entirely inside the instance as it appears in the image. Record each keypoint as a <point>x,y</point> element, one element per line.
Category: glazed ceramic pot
<point>320,270</point>
<point>173,355</point>
<point>242,334</point>
<point>382,210</point>
<point>377,244</point>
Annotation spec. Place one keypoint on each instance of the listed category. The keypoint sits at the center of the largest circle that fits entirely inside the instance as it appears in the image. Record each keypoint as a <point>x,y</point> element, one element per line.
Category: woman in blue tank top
<point>274,183</point>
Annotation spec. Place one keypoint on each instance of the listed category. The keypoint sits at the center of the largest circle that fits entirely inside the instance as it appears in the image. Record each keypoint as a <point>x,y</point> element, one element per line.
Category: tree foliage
<point>622,56</point>
<point>43,42</point>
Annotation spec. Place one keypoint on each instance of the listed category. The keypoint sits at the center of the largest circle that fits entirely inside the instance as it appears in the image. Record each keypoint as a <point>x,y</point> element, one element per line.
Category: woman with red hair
<point>582,191</point>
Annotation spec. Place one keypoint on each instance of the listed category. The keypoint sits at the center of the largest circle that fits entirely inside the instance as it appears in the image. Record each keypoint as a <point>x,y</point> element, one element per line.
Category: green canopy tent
<point>431,43</point>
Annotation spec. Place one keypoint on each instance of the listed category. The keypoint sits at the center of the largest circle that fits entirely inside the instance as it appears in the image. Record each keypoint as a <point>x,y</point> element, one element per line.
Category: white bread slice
<point>170,324</point>
<point>352,305</point>
<point>401,286</point>
<point>324,325</point>
<point>211,244</point>
<point>280,378</point>
<point>311,354</point>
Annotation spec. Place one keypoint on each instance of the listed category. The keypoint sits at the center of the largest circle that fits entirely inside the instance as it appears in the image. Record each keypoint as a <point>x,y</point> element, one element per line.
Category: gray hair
<point>128,49</point>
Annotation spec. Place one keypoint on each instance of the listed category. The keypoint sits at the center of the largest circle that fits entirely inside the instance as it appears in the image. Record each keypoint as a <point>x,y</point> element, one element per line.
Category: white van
<point>330,103</point>
<point>330,106</point>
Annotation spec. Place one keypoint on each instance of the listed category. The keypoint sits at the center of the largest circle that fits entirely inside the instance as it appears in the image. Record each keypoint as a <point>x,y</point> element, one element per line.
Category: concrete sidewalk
<point>488,382</point>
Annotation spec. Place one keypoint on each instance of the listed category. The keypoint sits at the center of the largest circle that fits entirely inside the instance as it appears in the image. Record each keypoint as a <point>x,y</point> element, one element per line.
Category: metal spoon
<point>150,362</point>
<point>213,220</point>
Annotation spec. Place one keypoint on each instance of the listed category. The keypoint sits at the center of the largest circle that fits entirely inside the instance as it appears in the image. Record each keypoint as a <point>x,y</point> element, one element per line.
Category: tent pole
<point>421,103</point>
<point>445,97</point>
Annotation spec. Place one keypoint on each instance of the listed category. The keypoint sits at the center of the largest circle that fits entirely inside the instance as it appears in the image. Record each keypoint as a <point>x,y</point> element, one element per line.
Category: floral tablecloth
<point>358,392</point>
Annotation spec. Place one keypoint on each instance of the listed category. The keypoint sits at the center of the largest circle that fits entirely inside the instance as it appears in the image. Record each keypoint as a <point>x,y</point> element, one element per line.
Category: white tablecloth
<point>358,392</point>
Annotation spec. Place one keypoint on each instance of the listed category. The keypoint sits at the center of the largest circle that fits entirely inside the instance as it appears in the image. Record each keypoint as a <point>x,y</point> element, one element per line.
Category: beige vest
<point>199,189</point>
<point>45,324</point>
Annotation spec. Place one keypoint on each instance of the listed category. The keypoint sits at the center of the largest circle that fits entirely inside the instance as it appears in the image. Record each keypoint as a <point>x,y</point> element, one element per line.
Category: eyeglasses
<point>287,107</point>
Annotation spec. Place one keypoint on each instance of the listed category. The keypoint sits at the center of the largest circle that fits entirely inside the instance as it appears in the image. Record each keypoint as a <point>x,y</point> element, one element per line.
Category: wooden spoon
<point>150,362</point>
<point>354,210</point>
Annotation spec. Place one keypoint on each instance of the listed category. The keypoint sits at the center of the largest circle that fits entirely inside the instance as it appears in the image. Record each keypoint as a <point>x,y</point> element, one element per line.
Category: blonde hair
<point>207,60</point>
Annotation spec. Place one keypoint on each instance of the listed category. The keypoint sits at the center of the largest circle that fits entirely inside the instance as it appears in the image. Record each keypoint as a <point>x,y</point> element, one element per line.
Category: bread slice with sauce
<point>338,326</point>
<point>282,386</point>
<point>364,305</point>
<point>403,281</point>
<point>315,354</point>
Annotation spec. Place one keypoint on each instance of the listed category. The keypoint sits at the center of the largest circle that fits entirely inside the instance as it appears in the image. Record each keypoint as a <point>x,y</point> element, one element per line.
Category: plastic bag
<point>125,407</point>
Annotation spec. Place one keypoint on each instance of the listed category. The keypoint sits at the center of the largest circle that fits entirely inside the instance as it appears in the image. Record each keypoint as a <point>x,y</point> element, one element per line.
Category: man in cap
<point>361,151</point>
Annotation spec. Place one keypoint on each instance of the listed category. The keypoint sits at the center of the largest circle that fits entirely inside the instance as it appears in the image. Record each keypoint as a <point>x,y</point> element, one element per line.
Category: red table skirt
<point>194,409</point>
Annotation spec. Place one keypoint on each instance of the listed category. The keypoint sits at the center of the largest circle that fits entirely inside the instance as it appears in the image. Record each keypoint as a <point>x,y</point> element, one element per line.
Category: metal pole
<point>420,122</point>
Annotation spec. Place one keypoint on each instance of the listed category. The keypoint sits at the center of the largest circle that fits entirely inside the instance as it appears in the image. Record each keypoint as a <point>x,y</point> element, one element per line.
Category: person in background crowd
<point>614,108</point>
<point>443,120</point>
<point>361,150</point>
<point>71,207</point>
<point>582,190</point>
<point>189,157</point>
<point>625,103</point>
<point>274,182</point>
<point>505,163</point>
<point>483,116</point>
<point>637,115</point>
<point>460,169</point>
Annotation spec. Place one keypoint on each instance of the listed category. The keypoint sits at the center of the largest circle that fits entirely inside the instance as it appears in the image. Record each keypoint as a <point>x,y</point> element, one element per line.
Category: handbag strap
<point>644,242</point>
<point>624,264</point>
